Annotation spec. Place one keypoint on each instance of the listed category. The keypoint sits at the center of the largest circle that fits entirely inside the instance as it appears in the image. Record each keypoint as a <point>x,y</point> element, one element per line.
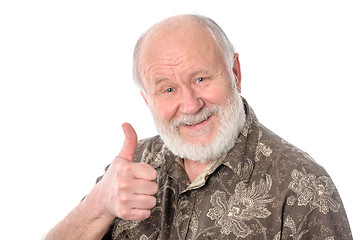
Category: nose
<point>191,103</point>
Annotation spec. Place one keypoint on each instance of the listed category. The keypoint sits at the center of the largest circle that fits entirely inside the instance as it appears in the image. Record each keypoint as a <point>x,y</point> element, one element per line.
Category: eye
<point>169,90</point>
<point>200,79</point>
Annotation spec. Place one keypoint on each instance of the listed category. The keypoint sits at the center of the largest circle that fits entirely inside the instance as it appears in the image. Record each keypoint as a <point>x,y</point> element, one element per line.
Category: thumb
<point>130,142</point>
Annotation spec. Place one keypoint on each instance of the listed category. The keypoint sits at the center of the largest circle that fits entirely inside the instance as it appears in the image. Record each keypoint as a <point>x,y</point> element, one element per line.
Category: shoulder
<point>303,188</point>
<point>280,153</point>
<point>296,176</point>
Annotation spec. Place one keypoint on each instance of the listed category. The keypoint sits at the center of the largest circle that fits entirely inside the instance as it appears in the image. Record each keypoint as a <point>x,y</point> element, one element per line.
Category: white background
<point>66,88</point>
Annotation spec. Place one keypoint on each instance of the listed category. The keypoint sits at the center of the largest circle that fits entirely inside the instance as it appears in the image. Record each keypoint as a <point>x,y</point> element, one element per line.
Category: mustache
<point>192,119</point>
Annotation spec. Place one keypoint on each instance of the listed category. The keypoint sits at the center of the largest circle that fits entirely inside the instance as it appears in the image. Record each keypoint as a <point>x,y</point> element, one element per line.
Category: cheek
<point>164,110</point>
<point>216,95</point>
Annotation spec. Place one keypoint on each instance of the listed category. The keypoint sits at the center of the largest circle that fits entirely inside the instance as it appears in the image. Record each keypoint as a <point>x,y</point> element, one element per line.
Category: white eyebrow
<point>195,73</point>
<point>159,80</point>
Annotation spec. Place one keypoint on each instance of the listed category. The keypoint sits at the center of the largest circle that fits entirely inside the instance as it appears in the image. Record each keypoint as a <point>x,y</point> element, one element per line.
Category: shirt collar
<point>241,157</point>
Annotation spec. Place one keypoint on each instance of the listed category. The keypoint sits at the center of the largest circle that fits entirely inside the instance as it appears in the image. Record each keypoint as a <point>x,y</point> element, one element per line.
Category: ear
<point>144,97</point>
<point>237,71</point>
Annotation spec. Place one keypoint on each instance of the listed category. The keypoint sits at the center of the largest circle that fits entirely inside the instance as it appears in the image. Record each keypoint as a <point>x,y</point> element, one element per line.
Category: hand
<point>127,188</point>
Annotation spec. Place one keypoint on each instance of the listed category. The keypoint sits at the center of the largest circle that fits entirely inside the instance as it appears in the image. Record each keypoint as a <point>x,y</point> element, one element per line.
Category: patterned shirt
<point>263,188</point>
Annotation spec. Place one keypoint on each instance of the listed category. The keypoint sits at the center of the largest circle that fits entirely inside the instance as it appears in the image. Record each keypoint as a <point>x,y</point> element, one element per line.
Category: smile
<point>192,124</point>
<point>197,123</point>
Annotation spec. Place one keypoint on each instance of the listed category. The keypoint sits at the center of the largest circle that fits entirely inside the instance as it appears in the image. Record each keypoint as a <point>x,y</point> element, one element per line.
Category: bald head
<point>182,30</point>
<point>179,23</point>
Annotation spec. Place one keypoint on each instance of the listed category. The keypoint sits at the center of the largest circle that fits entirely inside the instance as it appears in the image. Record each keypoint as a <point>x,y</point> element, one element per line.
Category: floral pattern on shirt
<point>315,191</point>
<point>247,203</point>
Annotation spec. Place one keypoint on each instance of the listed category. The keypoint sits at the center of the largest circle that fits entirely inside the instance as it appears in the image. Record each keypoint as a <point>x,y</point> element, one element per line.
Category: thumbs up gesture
<point>127,189</point>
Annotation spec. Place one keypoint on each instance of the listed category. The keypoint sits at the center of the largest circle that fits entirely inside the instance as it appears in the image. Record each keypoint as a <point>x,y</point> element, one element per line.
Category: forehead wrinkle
<point>158,66</point>
<point>167,61</point>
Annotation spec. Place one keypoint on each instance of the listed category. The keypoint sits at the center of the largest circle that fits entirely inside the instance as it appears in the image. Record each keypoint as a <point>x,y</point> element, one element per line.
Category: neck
<point>193,168</point>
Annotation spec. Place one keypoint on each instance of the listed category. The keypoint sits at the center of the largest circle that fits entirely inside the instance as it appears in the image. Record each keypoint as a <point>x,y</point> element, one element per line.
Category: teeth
<point>192,124</point>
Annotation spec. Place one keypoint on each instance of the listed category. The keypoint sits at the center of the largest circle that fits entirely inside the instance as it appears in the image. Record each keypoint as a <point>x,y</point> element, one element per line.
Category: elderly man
<point>214,172</point>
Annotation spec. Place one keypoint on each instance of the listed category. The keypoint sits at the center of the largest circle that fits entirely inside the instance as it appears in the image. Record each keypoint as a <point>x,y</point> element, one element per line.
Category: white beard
<point>231,124</point>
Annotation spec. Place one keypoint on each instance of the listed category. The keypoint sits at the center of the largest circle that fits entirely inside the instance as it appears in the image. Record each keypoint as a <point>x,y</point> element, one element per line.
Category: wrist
<point>94,207</point>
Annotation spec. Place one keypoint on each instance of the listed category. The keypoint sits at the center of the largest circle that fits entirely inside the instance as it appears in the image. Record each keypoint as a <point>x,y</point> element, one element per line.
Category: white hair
<point>214,29</point>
